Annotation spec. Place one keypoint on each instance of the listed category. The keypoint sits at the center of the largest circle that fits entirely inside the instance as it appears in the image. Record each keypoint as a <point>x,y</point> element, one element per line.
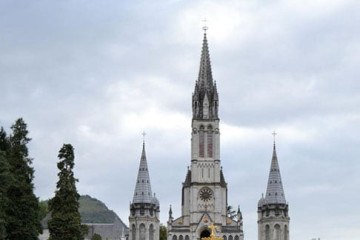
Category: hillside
<point>91,210</point>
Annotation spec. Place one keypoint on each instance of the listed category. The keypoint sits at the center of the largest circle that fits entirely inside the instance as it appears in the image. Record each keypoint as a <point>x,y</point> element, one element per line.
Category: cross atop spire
<point>274,134</point>
<point>143,134</point>
<point>205,27</point>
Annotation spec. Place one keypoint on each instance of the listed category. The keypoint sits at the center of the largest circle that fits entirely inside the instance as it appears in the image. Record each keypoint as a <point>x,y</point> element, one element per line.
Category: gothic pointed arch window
<point>267,232</point>
<point>174,237</point>
<point>201,142</point>
<point>151,232</point>
<point>133,232</point>
<point>209,141</point>
<point>277,232</point>
<point>142,232</point>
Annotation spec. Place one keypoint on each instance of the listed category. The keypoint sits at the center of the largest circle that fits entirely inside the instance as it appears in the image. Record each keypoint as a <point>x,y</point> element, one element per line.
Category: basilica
<point>204,196</point>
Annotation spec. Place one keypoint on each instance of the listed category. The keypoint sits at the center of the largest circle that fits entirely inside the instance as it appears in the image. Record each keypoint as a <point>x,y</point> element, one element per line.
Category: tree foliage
<point>65,220</point>
<point>4,201</point>
<point>22,214</point>
<point>96,237</point>
<point>163,232</point>
<point>5,182</point>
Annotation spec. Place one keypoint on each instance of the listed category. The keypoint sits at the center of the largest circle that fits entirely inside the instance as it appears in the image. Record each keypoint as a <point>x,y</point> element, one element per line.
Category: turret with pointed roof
<point>145,208</point>
<point>273,218</point>
<point>275,191</point>
<point>142,193</point>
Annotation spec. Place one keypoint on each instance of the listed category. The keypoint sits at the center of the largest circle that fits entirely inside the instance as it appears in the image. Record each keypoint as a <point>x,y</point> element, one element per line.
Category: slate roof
<point>142,193</point>
<point>275,191</point>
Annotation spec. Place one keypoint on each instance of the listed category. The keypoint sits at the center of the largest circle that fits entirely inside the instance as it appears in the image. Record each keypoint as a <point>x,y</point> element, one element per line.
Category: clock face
<point>206,194</point>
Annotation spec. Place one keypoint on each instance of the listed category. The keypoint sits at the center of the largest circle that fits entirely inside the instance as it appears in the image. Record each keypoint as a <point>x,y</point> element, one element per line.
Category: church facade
<point>204,197</point>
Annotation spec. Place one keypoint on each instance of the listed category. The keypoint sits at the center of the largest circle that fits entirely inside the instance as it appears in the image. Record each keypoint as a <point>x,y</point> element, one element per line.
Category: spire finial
<point>274,135</point>
<point>143,134</point>
<point>205,27</point>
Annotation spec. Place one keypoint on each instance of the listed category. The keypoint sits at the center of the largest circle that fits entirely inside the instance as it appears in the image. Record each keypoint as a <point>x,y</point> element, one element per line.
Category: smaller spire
<point>170,214</point>
<point>275,191</point>
<point>143,193</point>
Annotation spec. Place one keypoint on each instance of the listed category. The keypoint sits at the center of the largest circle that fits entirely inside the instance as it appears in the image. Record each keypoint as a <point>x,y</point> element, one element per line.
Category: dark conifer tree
<point>65,220</point>
<point>5,179</point>
<point>22,214</point>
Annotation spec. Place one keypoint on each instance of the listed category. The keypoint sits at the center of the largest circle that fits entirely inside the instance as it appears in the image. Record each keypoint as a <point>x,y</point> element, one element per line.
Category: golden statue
<point>213,236</point>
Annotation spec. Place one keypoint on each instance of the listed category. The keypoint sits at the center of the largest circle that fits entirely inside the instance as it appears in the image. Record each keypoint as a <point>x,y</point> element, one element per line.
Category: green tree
<point>5,179</point>
<point>163,232</point>
<point>96,237</point>
<point>22,215</point>
<point>65,220</point>
<point>43,209</point>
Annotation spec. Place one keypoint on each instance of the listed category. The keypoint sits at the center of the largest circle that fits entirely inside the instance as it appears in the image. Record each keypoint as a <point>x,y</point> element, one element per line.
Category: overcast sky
<point>97,73</point>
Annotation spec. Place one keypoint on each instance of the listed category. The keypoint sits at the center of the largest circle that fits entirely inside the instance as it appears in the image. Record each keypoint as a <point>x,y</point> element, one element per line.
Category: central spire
<point>205,96</point>
<point>205,79</point>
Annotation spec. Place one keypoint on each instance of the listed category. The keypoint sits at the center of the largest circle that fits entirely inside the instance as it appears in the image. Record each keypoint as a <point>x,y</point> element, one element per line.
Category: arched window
<point>187,237</point>
<point>151,232</point>
<point>286,236</point>
<point>174,237</point>
<point>267,232</point>
<point>237,237</point>
<point>277,232</point>
<point>142,232</point>
<point>201,143</point>
<point>230,237</point>
<point>133,232</point>
<point>209,144</point>
<point>224,237</point>
<point>181,237</point>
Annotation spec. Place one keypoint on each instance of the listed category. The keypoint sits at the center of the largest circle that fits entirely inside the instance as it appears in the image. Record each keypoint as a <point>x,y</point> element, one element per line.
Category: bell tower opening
<point>204,233</point>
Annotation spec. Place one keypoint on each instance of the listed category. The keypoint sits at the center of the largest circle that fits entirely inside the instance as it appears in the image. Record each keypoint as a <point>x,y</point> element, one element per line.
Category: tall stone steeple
<point>204,191</point>
<point>273,218</point>
<point>145,208</point>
